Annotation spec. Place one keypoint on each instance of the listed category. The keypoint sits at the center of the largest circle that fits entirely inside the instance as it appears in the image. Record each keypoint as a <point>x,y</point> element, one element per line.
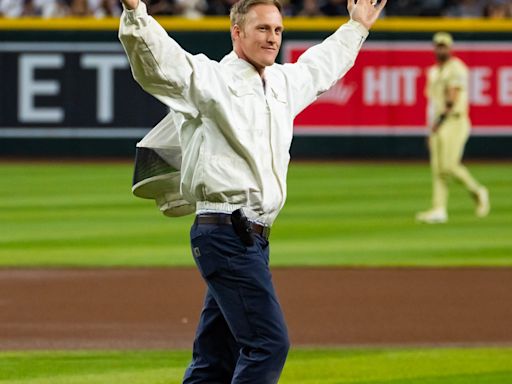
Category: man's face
<point>259,39</point>
<point>443,52</point>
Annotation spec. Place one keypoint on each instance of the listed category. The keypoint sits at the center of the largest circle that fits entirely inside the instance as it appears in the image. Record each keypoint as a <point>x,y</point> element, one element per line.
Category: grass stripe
<point>336,214</point>
<point>334,366</point>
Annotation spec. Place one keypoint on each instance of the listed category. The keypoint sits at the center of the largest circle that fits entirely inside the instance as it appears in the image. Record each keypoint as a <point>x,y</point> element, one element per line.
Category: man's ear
<point>236,31</point>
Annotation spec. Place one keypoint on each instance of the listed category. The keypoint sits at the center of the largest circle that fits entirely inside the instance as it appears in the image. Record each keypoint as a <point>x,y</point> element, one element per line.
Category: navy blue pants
<point>241,336</point>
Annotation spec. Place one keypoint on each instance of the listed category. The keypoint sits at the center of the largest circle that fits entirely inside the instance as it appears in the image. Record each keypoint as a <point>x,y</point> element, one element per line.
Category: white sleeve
<point>159,64</point>
<point>322,65</point>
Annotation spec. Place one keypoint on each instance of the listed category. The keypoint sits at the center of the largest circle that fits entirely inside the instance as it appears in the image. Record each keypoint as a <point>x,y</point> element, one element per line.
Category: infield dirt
<point>159,308</point>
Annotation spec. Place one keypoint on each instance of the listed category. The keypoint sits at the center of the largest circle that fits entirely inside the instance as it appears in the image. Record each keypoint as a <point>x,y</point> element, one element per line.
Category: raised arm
<point>159,64</point>
<point>322,65</point>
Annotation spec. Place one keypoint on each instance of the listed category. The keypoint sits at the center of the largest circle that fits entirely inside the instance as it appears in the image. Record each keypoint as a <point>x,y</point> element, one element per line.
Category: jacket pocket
<point>280,96</point>
<point>241,89</point>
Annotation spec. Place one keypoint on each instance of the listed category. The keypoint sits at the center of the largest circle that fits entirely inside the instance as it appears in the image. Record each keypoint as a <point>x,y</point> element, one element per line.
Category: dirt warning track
<point>159,308</point>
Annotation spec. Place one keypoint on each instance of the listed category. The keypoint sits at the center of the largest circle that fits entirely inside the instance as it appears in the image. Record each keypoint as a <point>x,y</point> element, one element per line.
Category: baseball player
<point>448,118</point>
<point>235,135</point>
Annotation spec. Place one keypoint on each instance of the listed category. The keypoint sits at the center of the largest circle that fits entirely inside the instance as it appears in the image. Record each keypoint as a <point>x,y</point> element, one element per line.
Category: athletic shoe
<point>482,202</point>
<point>434,216</point>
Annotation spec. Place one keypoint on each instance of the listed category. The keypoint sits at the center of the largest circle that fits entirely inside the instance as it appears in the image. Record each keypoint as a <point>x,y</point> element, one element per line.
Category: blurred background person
<point>104,8</point>
<point>402,8</point>
<point>79,7</point>
<point>431,8</point>
<point>498,9</point>
<point>448,118</point>
<point>509,8</point>
<point>334,8</point>
<point>191,9</point>
<point>288,8</point>
<point>219,7</point>
<point>96,8</point>
<point>310,8</point>
<point>161,7</point>
<point>43,8</point>
<point>465,8</point>
<point>12,8</point>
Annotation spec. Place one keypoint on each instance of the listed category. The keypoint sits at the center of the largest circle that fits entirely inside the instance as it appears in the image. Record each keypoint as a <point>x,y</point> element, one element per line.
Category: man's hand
<point>130,4</point>
<point>439,122</point>
<point>365,12</point>
<point>435,127</point>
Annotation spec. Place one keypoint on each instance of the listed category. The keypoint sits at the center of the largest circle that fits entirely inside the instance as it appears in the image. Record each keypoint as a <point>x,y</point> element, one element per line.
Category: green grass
<point>336,214</point>
<point>362,366</point>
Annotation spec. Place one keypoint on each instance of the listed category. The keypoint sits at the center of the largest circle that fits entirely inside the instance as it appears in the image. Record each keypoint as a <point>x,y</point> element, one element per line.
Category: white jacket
<point>236,134</point>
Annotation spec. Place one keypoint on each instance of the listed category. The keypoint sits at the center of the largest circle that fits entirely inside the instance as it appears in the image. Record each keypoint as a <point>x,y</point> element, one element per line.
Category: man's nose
<point>272,37</point>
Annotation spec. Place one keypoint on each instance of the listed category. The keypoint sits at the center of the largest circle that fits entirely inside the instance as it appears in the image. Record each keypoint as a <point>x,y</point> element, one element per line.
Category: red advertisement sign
<point>384,92</point>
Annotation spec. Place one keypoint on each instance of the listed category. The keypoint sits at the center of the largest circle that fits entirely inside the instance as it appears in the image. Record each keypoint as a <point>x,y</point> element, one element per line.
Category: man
<point>448,116</point>
<point>235,138</point>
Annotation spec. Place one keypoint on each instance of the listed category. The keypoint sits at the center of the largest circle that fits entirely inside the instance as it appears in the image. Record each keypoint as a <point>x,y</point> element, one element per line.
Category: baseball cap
<point>443,38</point>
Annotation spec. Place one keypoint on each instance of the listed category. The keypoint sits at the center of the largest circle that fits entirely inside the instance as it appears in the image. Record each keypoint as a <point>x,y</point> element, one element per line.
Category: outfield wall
<point>67,88</point>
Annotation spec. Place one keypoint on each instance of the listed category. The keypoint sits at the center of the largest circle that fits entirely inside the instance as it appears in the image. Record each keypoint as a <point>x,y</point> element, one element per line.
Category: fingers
<point>382,5</point>
<point>350,6</point>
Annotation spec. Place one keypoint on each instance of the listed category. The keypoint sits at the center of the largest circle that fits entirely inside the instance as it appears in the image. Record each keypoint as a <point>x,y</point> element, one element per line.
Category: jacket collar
<point>245,71</point>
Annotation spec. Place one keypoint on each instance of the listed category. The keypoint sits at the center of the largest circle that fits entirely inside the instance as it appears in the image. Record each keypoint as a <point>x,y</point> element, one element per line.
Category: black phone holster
<point>242,227</point>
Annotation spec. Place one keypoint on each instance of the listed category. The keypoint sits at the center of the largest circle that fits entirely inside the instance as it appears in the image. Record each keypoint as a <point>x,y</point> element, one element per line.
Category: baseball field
<point>96,286</point>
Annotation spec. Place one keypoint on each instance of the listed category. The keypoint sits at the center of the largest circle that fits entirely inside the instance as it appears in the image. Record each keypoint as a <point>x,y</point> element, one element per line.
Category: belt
<point>225,219</point>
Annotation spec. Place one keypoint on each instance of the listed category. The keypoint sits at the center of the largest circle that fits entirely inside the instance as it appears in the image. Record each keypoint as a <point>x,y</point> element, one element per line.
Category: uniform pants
<point>242,335</point>
<point>446,151</point>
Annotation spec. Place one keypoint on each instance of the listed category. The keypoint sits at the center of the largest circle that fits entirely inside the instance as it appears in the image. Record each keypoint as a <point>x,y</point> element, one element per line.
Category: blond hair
<point>241,8</point>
